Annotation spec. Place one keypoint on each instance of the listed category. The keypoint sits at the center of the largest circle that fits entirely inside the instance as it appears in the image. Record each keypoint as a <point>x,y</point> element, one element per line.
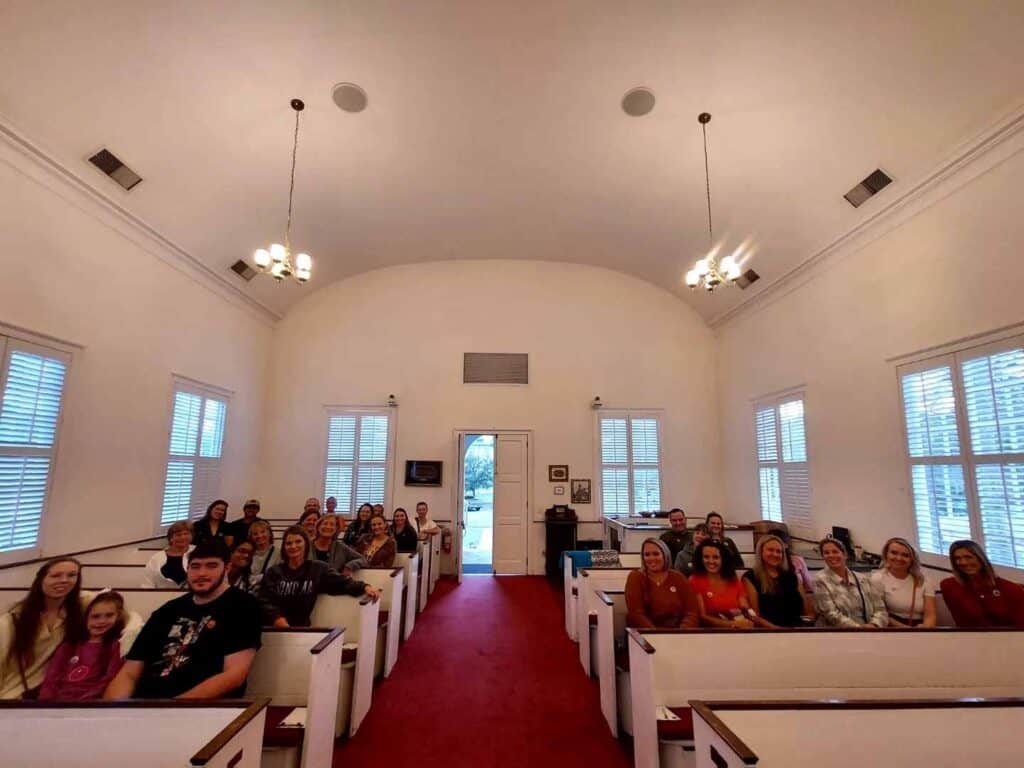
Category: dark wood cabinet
<point>560,535</point>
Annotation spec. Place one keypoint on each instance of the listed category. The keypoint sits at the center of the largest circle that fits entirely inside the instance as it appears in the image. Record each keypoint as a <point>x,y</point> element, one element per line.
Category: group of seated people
<point>691,579</point>
<point>64,643</point>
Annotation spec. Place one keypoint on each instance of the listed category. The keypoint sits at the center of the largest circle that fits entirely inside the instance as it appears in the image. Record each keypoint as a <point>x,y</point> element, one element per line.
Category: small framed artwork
<point>580,491</point>
<point>559,490</point>
<point>558,473</point>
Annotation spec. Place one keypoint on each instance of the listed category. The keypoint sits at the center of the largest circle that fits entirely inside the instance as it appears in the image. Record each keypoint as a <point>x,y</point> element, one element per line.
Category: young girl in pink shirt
<point>81,670</point>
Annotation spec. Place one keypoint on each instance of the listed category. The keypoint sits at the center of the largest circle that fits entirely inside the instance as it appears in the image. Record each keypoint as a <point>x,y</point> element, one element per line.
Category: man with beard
<point>197,646</point>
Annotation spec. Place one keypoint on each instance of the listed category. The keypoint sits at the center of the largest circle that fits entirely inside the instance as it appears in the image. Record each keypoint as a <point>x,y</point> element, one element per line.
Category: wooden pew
<point>590,580</point>
<point>426,556</point>
<point>410,562</point>
<point>669,668</point>
<point>570,589</point>
<point>830,734</point>
<point>137,599</point>
<point>358,615</point>
<point>130,734</point>
<point>389,581</point>
<point>298,668</point>
<point>610,627</point>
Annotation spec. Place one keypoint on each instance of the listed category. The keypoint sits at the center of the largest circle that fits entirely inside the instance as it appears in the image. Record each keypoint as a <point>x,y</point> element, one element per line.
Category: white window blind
<point>359,457</point>
<point>32,381</point>
<point>964,418</point>
<point>630,458</point>
<point>196,445</point>
<point>783,472</point>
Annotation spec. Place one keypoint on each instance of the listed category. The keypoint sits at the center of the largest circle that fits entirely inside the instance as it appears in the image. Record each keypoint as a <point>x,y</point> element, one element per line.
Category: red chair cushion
<point>677,730</point>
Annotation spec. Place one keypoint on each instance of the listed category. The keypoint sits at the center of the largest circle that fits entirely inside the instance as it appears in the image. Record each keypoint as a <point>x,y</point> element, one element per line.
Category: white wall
<point>66,272</point>
<point>952,271</point>
<point>403,330</point>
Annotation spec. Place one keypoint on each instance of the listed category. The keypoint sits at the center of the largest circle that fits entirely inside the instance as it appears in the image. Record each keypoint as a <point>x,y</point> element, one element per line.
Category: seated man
<point>197,646</point>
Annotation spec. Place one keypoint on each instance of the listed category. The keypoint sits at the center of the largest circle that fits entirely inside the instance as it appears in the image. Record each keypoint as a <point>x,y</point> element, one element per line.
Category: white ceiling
<point>494,128</point>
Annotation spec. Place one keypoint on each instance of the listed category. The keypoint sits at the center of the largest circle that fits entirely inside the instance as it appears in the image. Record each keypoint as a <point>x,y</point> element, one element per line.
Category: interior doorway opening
<point>478,504</point>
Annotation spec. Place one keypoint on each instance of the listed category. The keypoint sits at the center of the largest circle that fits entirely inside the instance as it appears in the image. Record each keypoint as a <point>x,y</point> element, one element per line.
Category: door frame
<point>458,492</point>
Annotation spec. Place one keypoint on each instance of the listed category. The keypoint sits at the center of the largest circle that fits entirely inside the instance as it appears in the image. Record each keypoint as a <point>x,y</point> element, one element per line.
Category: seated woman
<point>360,526</point>
<point>657,596</point>
<point>327,548</point>
<point>844,598</point>
<point>716,527</point>
<point>82,668</point>
<point>684,560</point>
<point>32,630</point>
<point>166,569</point>
<point>720,594</point>
<point>378,546</point>
<point>239,568</point>
<point>405,535</point>
<point>975,595</point>
<point>909,599</point>
<point>774,592</point>
<point>265,554</point>
<point>796,563</point>
<point>308,520</point>
<point>214,524</point>
<point>289,590</point>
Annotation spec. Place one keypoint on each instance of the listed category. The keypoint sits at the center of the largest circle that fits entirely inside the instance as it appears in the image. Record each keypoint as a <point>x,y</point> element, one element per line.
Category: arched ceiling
<point>494,128</point>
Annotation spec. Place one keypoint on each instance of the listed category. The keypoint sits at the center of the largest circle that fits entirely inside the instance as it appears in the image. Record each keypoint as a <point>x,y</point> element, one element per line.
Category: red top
<point>81,672</point>
<point>998,606</point>
<point>721,599</point>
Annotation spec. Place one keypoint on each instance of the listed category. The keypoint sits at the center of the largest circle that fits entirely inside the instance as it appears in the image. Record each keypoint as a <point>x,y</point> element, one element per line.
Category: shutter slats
<point>930,411</point>
<point>357,456</point>
<point>615,491</point>
<point>645,442</point>
<point>632,443</point>
<point>370,485</point>
<point>338,483</point>
<point>23,481</point>
<point>784,476</point>
<point>791,425</point>
<point>373,438</point>
<point>613,441</point>
<point>940,506</point>
<point>194,454</point>
<point>771,497</point>
<point>994,392</point>
<point>177,491</point>
<point>766,442</point>
<point>796,495</point>
<point>212,441</point>
<point>1001,506</point>
<point>341,438</point>
<point>646,490</point>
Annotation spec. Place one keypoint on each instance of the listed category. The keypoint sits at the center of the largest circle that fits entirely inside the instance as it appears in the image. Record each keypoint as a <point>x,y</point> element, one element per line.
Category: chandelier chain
<point>707,180</point>
<point>291,185</point>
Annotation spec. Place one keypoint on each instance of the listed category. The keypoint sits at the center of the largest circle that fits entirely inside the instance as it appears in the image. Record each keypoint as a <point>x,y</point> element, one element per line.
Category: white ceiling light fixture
<point>277,261</point>
<point>709,273</point>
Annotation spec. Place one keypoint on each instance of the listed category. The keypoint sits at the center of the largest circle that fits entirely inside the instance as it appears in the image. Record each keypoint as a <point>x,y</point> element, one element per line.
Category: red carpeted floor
<point>488,678</point>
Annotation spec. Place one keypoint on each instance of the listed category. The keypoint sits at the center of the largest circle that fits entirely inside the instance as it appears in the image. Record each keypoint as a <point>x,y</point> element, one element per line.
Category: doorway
<point>492,503</point>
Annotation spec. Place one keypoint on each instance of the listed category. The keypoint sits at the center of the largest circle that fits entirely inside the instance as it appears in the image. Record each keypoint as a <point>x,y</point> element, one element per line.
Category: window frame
<point>180,383</point>
<point>13,339</point>
<point>597,484</point>
<point>774,402</point>
<point>953,357</point>
<point>389,461</point>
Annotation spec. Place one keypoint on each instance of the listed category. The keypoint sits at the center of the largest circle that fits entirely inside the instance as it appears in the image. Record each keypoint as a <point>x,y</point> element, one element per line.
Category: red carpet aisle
<point>488,678</point>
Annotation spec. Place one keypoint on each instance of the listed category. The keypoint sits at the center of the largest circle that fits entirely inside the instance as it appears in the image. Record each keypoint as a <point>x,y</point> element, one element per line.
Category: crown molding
<point>971,159</point>
<point>31,160</point>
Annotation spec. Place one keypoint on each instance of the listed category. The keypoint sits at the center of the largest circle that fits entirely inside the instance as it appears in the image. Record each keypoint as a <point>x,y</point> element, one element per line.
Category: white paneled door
<point>511,513</point>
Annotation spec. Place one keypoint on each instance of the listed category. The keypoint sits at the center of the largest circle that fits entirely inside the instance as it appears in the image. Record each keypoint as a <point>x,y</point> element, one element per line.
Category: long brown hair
<point>28,615</point>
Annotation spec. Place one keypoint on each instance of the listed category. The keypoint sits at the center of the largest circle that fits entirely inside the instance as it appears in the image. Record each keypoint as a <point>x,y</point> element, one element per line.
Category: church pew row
<point>299,670</point>
<point>426,558</point>
<point>116,734</point>
<point>410,564</point>
<point>357,616</point>
<point>570,588</point>
<point>670,668</point>
<point>823,734</point>
<point>389,581</point>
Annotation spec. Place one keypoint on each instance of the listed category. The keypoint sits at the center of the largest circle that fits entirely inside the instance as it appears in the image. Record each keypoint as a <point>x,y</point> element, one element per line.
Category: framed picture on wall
<point>559,490</point>
<point>558,473</point>
<point>580,491</point>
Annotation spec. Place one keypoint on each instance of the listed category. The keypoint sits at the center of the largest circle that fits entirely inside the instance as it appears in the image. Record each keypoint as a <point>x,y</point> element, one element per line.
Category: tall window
<point>32,382</point>
<point>360,444</point>
<point>783,472</point>
<point>630,462</point>
<point>196,446</point>
<point>964,416</point>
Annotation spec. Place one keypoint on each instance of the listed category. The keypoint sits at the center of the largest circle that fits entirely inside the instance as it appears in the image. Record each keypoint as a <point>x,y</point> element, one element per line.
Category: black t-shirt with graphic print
<point>184,644</point>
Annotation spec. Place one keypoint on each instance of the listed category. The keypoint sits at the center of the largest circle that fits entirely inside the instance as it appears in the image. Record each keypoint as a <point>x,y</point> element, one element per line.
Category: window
<point>360,445</point>
<point>196,445</point>
<point>32,381</point>
<point>783,473</point>
<point>964,419</point>
<point>630,462</point>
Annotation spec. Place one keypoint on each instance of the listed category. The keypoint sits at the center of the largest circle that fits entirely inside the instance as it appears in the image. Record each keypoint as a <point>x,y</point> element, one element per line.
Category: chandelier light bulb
<point>701,267</point>
<point>303,263</point>
<point>727,265</point>
<point>692,278</point>
<point>277,271</point>
<point>262,258</point>
<point>277,253</point>
<point>733,273</point>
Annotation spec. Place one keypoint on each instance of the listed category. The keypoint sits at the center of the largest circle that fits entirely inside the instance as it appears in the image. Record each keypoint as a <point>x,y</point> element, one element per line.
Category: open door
<point>511,508</point>
<point>460,509</point>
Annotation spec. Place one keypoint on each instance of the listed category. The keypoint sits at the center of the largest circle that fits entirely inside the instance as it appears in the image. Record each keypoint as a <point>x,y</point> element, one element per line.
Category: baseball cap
<point>251,503</point>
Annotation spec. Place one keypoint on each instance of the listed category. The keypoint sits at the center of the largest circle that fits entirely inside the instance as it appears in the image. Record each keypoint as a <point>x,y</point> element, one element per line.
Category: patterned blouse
<point>848,602</point>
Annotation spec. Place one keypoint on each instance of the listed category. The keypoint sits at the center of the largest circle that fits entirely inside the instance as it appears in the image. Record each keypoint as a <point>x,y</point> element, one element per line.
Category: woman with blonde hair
<point>657,596</point>
<point>909,599</point>
<point>975,595</point>
<point>774,591</point>
<point>845,598</point>
<point>166,569</point>
<point>265,553</point>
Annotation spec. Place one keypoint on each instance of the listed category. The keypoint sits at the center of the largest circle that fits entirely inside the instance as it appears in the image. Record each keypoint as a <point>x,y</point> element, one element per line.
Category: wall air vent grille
<point>108,162</point>
<point>748,277</point>
<point>874,183</point>
<point>243,270</point>
<point>495,368</point>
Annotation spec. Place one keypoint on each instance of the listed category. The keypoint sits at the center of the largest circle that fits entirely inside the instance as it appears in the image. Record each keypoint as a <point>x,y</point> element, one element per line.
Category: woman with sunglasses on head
<point>975,595</point>
<point>843,597</point>
<point>909,599</point>
<point>657,596</point>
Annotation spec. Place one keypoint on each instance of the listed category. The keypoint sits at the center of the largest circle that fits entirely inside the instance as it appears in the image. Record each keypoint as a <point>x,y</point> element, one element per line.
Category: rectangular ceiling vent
<point>495,368</point>
<point>243,270</point>
<point>107,162</point>
<point>876,182</point>
<point>748,277</point>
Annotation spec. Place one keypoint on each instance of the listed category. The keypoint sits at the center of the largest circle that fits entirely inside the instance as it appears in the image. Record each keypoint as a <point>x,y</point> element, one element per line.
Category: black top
<point>322,556</point>
<point>784,606</point>
<point>676,540</point>
<point>173,569</point>
<point>292,593</point>
<point>406,540</point>
<point>184,644</point>
<point>354,531</point>
<point>240,528</point>
<point>201,531</point>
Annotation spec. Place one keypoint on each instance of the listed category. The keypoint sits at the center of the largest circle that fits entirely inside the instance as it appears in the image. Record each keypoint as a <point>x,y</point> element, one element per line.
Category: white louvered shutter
<point>784,476</point>
<point>614,466</point>
<point>766,426</point>
<point>646,460</point>
<point>33,388</point>
<point>359,454</point>
<point>630,456</point>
